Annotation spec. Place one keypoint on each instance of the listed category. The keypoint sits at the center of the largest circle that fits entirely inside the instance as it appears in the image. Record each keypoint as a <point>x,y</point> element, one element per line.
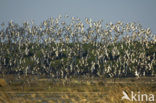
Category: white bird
<point>137,74</point>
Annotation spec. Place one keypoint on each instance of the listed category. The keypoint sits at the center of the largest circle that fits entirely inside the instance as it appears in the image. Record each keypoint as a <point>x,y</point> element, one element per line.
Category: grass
<point>82,90</point>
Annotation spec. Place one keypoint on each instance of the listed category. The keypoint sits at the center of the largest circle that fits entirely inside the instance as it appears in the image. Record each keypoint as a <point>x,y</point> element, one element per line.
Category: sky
<point>139,11</point>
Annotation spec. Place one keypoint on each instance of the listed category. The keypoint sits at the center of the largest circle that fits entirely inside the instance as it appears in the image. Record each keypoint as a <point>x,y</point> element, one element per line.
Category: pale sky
<point>140,11</point>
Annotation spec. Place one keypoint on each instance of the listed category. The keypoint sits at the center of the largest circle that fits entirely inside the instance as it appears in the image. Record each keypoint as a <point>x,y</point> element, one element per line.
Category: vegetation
<point>73,90</point>
<point>63,50</point>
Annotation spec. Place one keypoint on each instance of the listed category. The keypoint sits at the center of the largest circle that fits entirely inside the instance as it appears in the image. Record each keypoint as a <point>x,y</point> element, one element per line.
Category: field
<point>79,61</point>
<point>75,90</point>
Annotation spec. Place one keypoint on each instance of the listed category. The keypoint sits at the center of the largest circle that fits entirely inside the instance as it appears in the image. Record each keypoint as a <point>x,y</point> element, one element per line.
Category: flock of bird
<point>63,47</point>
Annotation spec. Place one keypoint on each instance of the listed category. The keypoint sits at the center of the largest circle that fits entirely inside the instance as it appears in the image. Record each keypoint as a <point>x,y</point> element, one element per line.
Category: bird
<point>137,74</point>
